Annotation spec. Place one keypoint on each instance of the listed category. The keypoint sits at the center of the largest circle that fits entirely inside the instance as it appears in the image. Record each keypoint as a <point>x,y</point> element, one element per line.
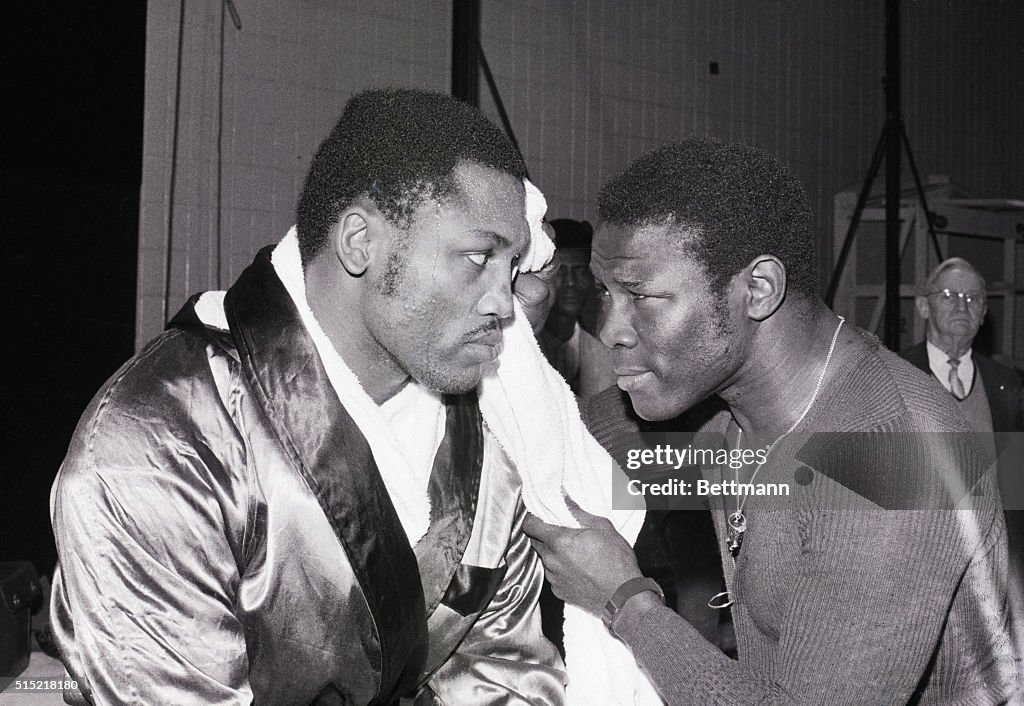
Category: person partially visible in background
<point>568,338</point>
<point>953,304</point>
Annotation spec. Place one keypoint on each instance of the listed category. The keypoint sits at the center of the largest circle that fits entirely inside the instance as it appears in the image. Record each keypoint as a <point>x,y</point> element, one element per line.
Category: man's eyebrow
<point>632,283</point>
<point>616,257</point>
<point>496,238</point>
<point>500,240</point>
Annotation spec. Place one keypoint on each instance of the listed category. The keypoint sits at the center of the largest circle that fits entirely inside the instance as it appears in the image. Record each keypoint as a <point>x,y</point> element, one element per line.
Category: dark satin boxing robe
<point>224,537</point>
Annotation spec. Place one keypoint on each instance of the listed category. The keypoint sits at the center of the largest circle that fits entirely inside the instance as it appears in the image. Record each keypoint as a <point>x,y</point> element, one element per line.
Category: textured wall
<point>246,137</point>
<point>588,86</point>
<point>591,85</point>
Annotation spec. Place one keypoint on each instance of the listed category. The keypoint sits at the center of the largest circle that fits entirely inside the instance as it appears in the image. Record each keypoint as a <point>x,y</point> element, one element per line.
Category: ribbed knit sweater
<point>863,586</point>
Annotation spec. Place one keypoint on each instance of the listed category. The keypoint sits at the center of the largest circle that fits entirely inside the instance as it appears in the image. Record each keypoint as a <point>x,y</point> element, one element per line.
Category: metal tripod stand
<point>890,144</point>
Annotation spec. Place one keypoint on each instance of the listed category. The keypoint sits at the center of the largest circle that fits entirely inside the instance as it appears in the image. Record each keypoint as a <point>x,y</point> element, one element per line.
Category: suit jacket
<point>1006,402</point>
<point>224,536</point>
<point>1002,386</point>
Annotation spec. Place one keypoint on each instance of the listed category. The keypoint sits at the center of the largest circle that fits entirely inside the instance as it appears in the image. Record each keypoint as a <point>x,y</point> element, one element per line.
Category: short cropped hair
<point>396,147</point>
<point>738,201</point>
<point>570,233</point>
<point>953,263</point>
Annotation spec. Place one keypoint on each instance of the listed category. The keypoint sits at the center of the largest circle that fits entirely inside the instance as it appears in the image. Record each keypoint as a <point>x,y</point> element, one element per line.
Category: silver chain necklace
<point>736,523</point>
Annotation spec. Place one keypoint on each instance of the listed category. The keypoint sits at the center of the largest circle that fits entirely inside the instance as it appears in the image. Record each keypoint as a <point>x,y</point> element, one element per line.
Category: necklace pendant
<point>736,526</point>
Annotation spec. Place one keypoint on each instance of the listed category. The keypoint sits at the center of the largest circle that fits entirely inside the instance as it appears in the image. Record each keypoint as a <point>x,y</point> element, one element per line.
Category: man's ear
<point>355,237</point>
<point>765,282</point>
<point>922,307</point>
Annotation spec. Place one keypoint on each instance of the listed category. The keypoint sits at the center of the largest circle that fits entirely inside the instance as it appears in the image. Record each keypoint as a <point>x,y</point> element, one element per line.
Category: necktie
<point>955,386</point>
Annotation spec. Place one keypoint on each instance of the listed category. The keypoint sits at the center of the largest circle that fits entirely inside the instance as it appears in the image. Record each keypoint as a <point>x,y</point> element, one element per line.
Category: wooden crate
<point>987,232</point>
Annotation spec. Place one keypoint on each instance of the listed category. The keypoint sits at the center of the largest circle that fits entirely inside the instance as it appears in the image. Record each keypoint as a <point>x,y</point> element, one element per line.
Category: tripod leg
<point>862,198</point>
<point>920,191</point>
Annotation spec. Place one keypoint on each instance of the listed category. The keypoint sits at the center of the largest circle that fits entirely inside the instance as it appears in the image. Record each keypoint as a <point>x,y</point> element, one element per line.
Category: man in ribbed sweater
<point>878,577</point>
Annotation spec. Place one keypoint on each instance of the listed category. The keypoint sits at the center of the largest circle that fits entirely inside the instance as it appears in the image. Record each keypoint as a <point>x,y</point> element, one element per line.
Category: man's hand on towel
<point>535,291</point>
<point>584,565</point>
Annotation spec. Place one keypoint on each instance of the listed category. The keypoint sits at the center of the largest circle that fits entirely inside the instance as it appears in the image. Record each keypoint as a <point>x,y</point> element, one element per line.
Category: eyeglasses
<point>974,300</point>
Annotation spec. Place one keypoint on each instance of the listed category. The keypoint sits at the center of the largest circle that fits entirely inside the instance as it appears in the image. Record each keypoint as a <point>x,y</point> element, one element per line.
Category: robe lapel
<point>454,488</point>
<point>287,377</point>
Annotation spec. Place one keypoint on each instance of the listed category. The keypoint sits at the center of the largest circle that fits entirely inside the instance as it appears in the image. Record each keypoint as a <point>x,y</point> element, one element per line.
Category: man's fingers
<point>535,296</point>
<point>583,517</point>
<point>556,588</point>
<point>547,273</point>
<point>538,529</point>
<point>531,290</point>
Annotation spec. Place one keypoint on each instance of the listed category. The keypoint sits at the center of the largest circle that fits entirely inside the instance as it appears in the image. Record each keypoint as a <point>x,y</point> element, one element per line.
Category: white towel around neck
<point>397,432</point>
<point>532,412</point>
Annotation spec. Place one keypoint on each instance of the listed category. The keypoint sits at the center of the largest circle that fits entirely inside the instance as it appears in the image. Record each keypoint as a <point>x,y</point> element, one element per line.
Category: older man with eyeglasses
<point>953,304</point>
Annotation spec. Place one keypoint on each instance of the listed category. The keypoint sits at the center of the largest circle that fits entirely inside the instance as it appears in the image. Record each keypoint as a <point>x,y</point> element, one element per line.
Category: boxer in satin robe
<point>225,531</point>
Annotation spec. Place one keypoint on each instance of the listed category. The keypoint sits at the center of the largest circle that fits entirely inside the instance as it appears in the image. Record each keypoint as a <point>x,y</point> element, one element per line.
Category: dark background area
<point>69,174</point>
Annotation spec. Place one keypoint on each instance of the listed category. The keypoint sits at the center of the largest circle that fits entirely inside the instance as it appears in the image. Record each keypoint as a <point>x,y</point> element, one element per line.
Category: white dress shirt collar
<point>938,361</point>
